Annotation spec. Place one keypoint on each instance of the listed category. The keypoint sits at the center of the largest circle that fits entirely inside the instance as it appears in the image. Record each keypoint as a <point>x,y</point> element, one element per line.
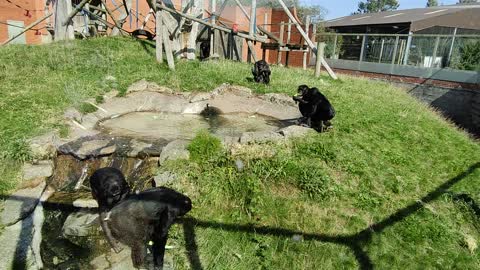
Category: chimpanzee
<point>314,107</point>
<point>204,49</point>
<point>147,216</point>
<point>261,72</point>
<point>108,188</point>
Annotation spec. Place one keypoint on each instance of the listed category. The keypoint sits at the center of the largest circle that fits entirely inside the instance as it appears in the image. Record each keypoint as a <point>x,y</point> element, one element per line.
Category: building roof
<point>461,16</point>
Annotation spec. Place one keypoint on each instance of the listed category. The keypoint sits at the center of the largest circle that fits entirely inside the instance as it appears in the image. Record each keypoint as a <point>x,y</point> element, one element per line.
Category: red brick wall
<point>9,11</point>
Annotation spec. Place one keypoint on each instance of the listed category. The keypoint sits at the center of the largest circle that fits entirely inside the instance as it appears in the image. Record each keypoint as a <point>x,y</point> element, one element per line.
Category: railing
<point>419,50</point>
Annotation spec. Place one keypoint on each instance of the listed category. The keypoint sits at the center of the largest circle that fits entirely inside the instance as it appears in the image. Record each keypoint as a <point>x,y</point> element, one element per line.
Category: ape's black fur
<point>108,188</point>
<point>204,49</point>
<point>261,72</point>
<point>147,216</point>
<point>315,107</point>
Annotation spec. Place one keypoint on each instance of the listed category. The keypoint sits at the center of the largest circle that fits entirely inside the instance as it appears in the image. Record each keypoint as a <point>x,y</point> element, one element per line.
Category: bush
<point>469,56</point>
<point>204,147</point>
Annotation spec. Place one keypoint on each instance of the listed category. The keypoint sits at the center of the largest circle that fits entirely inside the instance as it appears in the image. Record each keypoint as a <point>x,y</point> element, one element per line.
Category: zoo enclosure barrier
<point>444,57</point>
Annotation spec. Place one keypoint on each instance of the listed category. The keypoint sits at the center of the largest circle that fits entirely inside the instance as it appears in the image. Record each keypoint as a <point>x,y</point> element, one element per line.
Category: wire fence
<point>430,51</point>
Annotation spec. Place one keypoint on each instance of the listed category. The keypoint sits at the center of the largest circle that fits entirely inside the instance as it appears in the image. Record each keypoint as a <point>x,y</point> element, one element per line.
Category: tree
<point>432,3</point>
<point>316,13</point>
<point>371,6</point>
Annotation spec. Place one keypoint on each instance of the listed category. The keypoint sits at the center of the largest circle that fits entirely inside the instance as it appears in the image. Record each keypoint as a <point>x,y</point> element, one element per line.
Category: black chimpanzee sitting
<point>261,72</point>
<point>108,188</point>
<point>204,49</point>
<point>314,107</point>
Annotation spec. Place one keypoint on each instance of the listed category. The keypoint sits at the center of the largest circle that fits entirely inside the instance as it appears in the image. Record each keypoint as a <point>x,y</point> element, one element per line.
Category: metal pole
<point>307,30</point>
<point>280,44</point>
<point>362,50</point>
<point>159,34</point>
<point>407,48</point>
<point>435,50</point>
<point>381,51</point>
<point>395,50</point>
<point>451,47</point>
<point>212,30</point>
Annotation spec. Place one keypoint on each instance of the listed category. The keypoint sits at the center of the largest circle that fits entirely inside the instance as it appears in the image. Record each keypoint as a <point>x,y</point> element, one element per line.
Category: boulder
<point>80,224</point>
<point>294,131</point>
<point>281,99</point>
<point>174,150</point>
<point>144,85</point>
<point>164,178</point>
<point>21,204</point>
<point>43,169</point>
<point>44,146</point>
<point>260,137</point>
<point>232,89</point>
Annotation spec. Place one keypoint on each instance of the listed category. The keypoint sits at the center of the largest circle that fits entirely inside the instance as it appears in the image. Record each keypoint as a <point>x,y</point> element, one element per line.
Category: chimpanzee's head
<point>303,90</point>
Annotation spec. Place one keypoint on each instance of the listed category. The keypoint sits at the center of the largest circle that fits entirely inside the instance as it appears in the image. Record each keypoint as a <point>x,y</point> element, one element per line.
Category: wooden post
<point>307,30</point>
<point>253,16</point>
<point>28,28</point>
<point>212,30</point>
<point>280,44</point>
<point>289,30</point>
<point>168,49</point>
<point>320,55</point>
<point>159,36</point>
<point>309,42</point>
<point>63,32</point>
<point>334,53</point>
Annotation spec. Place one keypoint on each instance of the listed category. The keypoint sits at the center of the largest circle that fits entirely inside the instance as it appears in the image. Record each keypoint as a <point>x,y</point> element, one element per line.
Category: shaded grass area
<point>342,199</point>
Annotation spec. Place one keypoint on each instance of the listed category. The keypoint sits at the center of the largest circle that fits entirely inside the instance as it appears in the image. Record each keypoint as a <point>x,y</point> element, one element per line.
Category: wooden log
<point>159,36</point>
<point>307,29</point>
<point>309,42</point>
<point>269,34</point>
<point>197,10</point>
<point>168,48</point>
<point>30,26</point>
<point>63,32</point>
<point>279,56</point>
<point>320,55</point>
<point>75,11</point>
<point>252,50</point>
<point>213,4</point>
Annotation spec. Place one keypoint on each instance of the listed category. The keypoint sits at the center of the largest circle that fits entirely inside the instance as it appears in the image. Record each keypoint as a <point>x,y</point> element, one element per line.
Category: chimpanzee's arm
<point>108,233</point>
<point>299,99</point>
<point>160,235</point>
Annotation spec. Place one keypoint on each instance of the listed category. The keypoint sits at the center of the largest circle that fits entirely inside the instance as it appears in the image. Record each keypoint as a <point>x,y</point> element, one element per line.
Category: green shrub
<point>469,56</point>
<point>204,147</point>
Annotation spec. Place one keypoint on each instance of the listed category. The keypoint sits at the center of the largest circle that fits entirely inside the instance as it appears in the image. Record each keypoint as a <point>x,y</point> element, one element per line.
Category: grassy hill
<point>377,190</point>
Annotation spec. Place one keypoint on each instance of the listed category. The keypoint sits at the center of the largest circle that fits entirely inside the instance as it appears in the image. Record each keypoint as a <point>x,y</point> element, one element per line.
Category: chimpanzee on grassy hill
<point>261,72</point>
<point>314,107</point>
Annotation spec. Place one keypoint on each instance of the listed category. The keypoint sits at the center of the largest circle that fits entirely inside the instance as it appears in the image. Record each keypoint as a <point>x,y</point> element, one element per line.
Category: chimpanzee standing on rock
<point>261,72</point>
<point>136,219</point>
<point>314,107</point>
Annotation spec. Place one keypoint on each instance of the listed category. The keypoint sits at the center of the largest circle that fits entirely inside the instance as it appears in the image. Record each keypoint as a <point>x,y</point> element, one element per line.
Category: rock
<point>228,141</point>
<point>294,131</point>
<point>260,137</point>
<point>200,97</point>
<point>44,146</point>
<point>108,150</point>
<point>279,99</point>
<point>164,178</point>
<point>93,148</point>
<point>112,260</point>
<point>21,204</point>
<point>143,85</point>
<point>111,94</point>
<point>16,251</point>
<point>239,164</point>
<point>194,108</point>
<point>110,78</point>
<point>42,170</point>
<point>233,89</point>
<point>176,149</point>
<point>85,203</point>
<point>137,147</point>
<point>297,238</point>
<point>80,224</point>
<point>73,114</point>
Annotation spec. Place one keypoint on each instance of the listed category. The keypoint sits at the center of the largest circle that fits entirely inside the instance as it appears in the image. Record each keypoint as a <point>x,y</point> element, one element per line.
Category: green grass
<point>386,155</point>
